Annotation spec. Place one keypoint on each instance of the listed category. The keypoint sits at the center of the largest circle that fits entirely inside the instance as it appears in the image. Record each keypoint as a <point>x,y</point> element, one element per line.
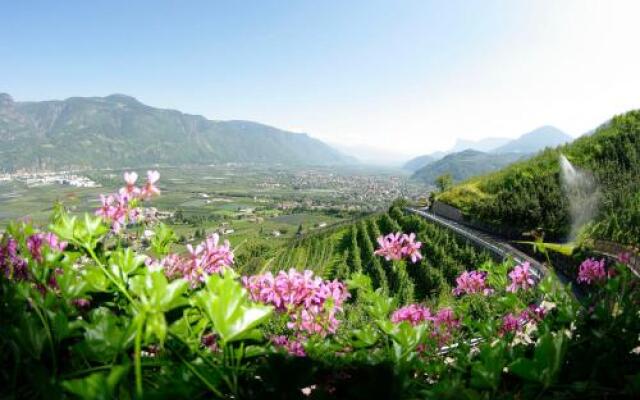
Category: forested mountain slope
<point>119,130</point>
<point>529,195</point>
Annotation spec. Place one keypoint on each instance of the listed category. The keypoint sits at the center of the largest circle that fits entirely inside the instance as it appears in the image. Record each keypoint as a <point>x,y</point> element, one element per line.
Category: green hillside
<point>118,130</point>
<point>528,195</point>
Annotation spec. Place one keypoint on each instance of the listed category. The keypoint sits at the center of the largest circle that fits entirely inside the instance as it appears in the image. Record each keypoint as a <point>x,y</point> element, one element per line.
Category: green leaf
<point>487,372</point>
<point>125,262</point>
<point>162,239</point>
<point>155,296</point>
<point>104,336</point>
<point>566,249</point>
<point>64,227</point>
<point>95,279</point>
<point>155,293</point>
<point>99,385</point>
<point>547,360</point>
<point>227,306</point>
<point>156,325</point>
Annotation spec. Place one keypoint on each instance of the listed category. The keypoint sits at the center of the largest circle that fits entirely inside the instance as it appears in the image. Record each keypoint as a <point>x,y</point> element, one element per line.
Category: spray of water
<point>582,192</point>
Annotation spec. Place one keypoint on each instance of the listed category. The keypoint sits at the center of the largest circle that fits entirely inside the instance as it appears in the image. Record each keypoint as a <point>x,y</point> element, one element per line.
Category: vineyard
<point>342,251</point>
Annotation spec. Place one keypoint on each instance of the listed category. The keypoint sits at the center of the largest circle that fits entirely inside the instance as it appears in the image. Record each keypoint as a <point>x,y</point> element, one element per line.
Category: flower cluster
<point>535,312</point>
<point>472,282</point>
<point>591,271</point>
<point>444,321</point>
<point>12,265</point>
<point>36,241</point>
<point>513,323</point>
<point>14,262</point>
<point>291,346</point>
<point>311,303</point>
<point>413,313</point>
<point>397,246</point>
<point>208,258</point>
<point>521,278</point>
<point>120,207</point>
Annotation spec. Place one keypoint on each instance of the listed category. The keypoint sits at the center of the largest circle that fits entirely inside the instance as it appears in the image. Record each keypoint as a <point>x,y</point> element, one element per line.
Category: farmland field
<point>240,202</point>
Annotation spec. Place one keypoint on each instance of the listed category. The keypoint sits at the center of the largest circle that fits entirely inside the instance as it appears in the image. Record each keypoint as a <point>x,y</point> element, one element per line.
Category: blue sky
<point>410,76</point>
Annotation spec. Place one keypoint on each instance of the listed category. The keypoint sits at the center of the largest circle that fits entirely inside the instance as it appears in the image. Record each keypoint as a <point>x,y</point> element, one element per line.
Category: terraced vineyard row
<point>339,252</point>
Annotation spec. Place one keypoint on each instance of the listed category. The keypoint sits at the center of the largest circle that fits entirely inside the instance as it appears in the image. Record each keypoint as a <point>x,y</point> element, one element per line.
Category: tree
<point>371,262</point>
<point>444,182</point>
<point>353,259</point>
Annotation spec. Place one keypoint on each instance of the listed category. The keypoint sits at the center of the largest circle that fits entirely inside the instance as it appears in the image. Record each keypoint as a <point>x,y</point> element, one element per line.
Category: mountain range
<point>534,141</point>
<point>119,131</point>
<point>486,144</point>
<point>528,143</point>
<point>470,158</point>
<point>465,164</point>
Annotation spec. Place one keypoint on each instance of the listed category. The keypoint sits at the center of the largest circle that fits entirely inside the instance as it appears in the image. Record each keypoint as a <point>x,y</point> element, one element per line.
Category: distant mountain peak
<point>536,140</point>
<point>473,153</point>
<point>124,98</point>
<point>486,144</point>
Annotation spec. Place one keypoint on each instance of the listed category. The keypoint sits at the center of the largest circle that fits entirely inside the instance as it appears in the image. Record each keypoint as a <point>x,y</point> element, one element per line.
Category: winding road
<point>498,247</point>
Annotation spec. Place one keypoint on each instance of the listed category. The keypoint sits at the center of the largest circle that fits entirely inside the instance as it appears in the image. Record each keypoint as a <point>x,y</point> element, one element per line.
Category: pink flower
<point>412,313</point>
<point>445,317</point>
<point>591,271</point>
<point>53,242</point>
<point>311,303</point>
<point>510,324</point>
<point>472,282</point>
<point>411,248</point>
<point>390,247</point>
<point>521,278</point>
<point>397,246</point>
<point>130,179</point>
<point>293,347</point>
<point>172,265</point>
<point>36,242</point>
<point>533,313</point>
<point>149,190</point>
<point>445,323</point>
<point>118,210</point>
<point>12,265</point>
<point>207,258</point>
<point>106,209</point>
<point>624,257</point>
